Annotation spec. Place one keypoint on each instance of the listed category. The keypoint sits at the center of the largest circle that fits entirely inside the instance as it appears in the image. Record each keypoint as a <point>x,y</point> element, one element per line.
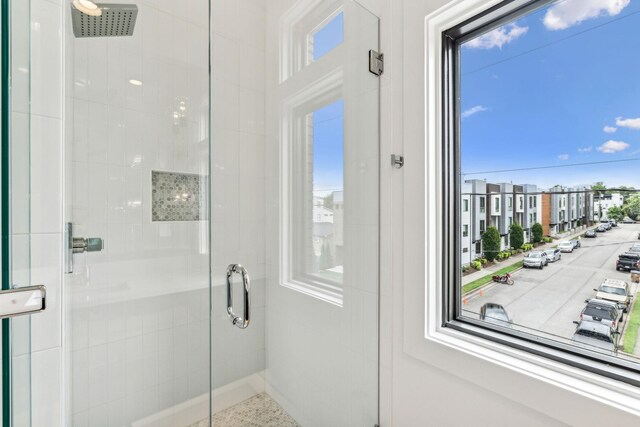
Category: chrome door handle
<point>21,301</point>
<point>240,322</point>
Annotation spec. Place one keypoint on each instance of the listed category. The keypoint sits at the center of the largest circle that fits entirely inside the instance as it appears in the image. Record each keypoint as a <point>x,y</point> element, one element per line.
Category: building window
<point>482,209</point>
<point>465,230</point>
<point>465,205</point>
<point>509,202</point>
<point>482,226</point>
<point>520,203</point>
<point>524,50</point>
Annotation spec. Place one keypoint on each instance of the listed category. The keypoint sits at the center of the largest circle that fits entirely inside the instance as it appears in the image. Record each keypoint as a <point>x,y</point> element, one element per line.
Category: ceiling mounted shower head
<point>105,20</point>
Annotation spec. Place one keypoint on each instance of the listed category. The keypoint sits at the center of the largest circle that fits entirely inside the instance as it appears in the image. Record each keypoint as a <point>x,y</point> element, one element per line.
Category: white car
<point>566,246</point>
<point>553,254</point>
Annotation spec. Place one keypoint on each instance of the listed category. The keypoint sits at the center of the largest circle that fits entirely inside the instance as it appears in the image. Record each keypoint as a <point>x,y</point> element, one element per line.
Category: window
<point>525,54</point>
<point>520,203</point>
<point>465,230</point>
<point>482,226</point>
<point>327,36</point>
<point>482,204</point>
<point>465,205</point>
<point>319,242</point>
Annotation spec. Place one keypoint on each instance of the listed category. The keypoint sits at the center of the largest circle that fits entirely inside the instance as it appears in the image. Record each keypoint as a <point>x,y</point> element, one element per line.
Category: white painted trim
<point>502,370</point>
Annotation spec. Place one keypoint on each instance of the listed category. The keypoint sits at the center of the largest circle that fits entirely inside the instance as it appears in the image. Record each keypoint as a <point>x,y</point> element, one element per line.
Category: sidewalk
<point>512,260</point>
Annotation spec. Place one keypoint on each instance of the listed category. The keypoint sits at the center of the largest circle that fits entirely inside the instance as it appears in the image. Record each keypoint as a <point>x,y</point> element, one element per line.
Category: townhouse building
<point>500,205</point>
<point>602,203</point>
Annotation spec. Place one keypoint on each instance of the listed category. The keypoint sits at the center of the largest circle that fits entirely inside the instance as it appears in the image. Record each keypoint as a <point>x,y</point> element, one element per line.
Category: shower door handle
<point>240,322</point>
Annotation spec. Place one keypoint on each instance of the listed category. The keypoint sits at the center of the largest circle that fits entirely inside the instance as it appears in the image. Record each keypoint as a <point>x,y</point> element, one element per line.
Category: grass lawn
<point>631,335</point>
<point>486,279</point>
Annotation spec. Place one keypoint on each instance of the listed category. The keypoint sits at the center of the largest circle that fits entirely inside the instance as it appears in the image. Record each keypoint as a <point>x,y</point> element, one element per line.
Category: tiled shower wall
<point>137,311</point>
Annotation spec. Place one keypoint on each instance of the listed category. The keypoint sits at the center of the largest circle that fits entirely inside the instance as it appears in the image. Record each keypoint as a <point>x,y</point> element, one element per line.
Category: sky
<point>555,88</point>
<point>328,121</point>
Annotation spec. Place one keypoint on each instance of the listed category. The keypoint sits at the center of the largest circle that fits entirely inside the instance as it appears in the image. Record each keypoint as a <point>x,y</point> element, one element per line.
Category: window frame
<point>607,366</point>
<point>295,112</point>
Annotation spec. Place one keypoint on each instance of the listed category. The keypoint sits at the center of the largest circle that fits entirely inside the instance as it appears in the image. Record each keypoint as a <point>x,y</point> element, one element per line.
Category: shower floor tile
<point>258,411</point>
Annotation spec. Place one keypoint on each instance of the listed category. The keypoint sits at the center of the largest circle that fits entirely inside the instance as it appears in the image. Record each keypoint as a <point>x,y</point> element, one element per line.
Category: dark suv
<point>628,261</point>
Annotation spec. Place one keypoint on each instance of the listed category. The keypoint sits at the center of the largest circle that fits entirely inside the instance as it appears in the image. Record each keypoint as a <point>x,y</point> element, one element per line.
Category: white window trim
<point>319,93</point>
<point>471,358</point>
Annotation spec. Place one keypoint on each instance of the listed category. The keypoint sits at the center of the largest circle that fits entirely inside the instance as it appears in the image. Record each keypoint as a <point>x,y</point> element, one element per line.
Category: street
<point>547,301</point>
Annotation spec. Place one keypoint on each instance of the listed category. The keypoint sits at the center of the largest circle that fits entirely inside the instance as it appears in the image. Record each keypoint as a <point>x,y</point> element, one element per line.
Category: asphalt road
<point>549,300</point>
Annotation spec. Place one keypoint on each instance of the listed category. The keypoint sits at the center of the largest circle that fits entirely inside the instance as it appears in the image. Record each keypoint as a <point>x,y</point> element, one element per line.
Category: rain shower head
<point>115,20</point>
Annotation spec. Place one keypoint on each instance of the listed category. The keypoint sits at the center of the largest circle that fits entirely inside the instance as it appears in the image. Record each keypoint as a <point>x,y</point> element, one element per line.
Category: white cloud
<point>568,13</point>
<point>473,110</point>
<point>610,129</point>
<point>563,157</point>
<point>628,123</point>
<point>498,37</point>
<point>612,146</point>
<point>585,149</point>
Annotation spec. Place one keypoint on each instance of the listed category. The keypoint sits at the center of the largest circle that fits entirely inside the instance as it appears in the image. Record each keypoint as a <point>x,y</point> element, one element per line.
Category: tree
<point>537,232</point>
<point>615,212</point>
<point>491,243</point>
<point>516,235</point>
<point>632,207</point>
<point>599,188</point>
<point>326,259</point>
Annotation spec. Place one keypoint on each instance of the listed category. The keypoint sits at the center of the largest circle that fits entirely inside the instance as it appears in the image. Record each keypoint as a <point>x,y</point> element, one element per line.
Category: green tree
<point>537,232</point>
<point>599,188</point>
<point>632,208</point>
<point>491,243</point>
<point>616,213</point>
<point>516,235</point>
<point>326,259</point>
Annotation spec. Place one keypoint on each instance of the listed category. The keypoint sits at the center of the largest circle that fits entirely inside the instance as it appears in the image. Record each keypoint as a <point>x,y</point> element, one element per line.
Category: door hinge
<point>376,62</point>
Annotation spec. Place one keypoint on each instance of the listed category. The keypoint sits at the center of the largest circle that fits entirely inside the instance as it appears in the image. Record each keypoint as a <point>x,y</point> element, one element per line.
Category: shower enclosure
<point>218,221</point>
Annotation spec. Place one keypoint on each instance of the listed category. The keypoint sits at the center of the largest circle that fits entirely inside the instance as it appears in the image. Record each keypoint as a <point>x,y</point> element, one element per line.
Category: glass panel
<point>16,192</point>
<point>137,313</point>
<point>303,150</point>
<point>330,35</point>
<point>577,171</point>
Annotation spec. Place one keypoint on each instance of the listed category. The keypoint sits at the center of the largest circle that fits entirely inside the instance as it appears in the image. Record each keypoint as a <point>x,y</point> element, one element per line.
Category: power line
<point>551,166</point>
<point>552,43</point>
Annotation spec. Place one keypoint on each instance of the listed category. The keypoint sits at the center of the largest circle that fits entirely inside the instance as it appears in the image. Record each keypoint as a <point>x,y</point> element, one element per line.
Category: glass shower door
<point>15,169</point>
<point>295,154</point>
<point>137,293</point>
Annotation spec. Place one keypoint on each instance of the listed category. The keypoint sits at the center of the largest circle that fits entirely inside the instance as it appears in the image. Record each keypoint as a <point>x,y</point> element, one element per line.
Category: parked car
<point>537,259</point>
<point>606,225</point>
<point>576,243</point>
<point>613,223</point>
<point>601,228</point>
<point>627,220</point>
<point>566,246</point>
<point>596,334</point>
<point>628,261</point>
<point>590,233</point>
<point>616,291</point>
<point>635,248</point>
<point>607,312</point>
<point>553,254</point>
<point>495,314</point>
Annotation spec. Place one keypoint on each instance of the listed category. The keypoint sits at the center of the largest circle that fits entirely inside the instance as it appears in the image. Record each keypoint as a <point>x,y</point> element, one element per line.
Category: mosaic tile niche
<point>177,196</point>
